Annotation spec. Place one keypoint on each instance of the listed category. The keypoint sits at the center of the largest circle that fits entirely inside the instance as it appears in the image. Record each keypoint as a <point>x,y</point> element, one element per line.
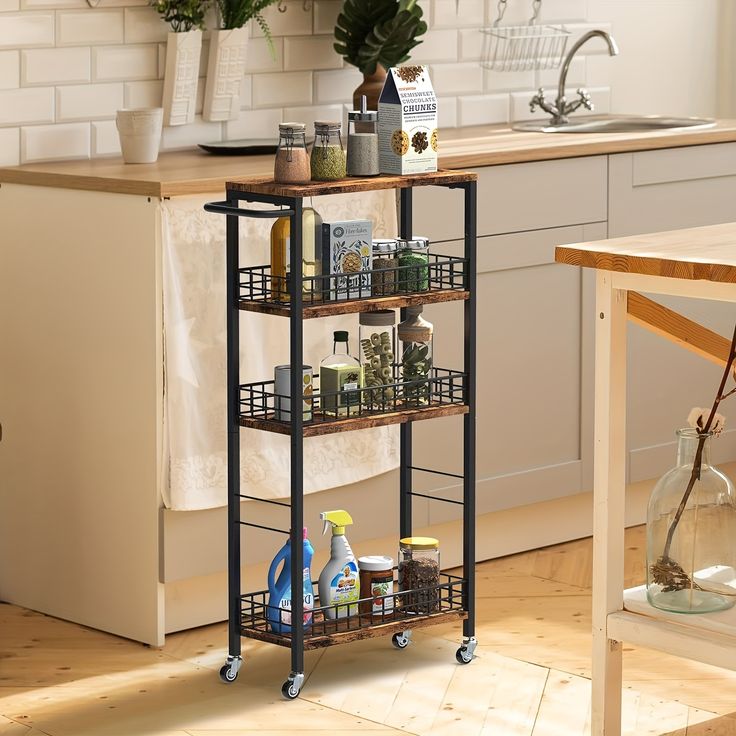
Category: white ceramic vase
<point>225,70</point>
<point>140,134</point>
<point>180,77</point>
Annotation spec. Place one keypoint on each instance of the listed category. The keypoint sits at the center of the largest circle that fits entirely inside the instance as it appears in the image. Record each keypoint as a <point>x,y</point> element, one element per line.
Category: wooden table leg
<point>608,501</point>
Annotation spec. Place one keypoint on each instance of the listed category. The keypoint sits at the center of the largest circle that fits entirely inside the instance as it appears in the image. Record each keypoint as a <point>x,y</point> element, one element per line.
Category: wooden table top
<point>699,253</point>
<point>192,171</point>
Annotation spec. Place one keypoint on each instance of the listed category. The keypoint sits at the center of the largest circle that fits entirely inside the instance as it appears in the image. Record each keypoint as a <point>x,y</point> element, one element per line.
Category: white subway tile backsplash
<point>9,69</point>
<point>595,46</point>
<point>457,78</point>
<point>337,85</point>
<point>457,13</point>
<point>91,26</point>
<point>548,78</point>
<point>144,94</point>
<point>55,66</point>
<point>105,139</point>
<point>308,115</point>
<point>325,15</point>
<point>9,146</point>
<point>184,136</point>
<point>144,25</point>
<point>294,22</point>
<point>437,45</point>
<point>310,52</point>
<point>447,112</point>
<point>8,6</point>
<point>471,44</point>
<point>26,29</point>
<point>89,101</point>
<point>483,109</point>
<point>32,105</point>
<point>262,58</point>
<point>52,4</point>
<point>564,10</point>
<point>507,81</point>
<point>124,62</point>
<point>282,89</point>
<point>51,142</point>
<point>254,124</point>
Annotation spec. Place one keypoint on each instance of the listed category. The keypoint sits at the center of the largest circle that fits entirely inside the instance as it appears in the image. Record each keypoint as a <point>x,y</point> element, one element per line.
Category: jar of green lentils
<point>413,264</point>
<point>328,155</point>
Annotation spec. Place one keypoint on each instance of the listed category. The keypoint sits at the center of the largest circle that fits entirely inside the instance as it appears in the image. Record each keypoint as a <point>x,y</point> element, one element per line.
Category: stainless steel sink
<point>614,124</point>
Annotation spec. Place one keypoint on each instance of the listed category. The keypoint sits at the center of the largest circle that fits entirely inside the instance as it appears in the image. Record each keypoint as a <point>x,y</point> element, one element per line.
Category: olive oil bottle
<point>340,378</point>
<point>281,256</point>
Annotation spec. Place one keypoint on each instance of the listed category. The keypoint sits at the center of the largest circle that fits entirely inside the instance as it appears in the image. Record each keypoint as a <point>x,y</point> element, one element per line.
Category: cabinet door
<point>529,372</point>
<point>666,190</point>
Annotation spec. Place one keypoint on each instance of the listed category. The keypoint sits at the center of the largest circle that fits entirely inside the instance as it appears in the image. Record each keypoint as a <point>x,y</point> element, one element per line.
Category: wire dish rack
<point>525,47</point>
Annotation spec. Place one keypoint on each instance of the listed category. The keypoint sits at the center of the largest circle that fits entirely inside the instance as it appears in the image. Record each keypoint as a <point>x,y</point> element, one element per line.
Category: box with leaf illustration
<point>346,252</point>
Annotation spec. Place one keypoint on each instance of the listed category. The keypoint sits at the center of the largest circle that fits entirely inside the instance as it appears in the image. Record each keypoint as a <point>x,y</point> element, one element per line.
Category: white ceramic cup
<point>140,133</point>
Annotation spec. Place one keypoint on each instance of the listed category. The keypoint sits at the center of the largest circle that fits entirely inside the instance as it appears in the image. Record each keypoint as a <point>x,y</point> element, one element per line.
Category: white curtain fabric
<point>195,462</point>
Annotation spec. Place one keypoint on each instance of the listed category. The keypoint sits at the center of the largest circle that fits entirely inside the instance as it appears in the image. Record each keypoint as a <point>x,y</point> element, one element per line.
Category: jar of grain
<point>363,141</point>
<point>328,154</point>
<point>414,264</point>
<point>376,583</point>
<point>292,162</point>
<point>419,575</point>
<point>384,276</point>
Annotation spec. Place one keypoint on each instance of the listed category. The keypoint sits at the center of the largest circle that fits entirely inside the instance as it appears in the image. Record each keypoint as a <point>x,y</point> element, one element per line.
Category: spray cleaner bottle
<point>278,611</point>
<point>339,582</point>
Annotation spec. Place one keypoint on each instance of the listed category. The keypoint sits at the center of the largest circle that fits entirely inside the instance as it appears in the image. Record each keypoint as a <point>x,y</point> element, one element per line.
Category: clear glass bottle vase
<point>691,560</point>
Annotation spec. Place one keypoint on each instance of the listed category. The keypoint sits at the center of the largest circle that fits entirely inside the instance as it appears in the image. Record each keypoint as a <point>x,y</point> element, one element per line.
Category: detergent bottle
<point>339,581</point>
<point>279,588</point>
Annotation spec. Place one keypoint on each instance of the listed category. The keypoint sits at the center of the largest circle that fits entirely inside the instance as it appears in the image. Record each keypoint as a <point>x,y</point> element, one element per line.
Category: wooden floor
<point>530,676</point>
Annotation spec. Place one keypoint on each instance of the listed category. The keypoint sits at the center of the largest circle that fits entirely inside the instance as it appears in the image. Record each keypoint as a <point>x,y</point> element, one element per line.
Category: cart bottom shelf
<point>365,632</point>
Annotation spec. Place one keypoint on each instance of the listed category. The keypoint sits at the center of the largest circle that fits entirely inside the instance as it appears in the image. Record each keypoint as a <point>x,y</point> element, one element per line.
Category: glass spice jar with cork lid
<point>414,264</point>
<point>384,274</point>
<point>419,574</point>
<point>363,141</point>
<point>291,165</point>
<point>328,154</point>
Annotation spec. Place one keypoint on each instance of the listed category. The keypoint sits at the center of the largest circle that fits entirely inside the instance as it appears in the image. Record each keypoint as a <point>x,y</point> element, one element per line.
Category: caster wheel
<point>227,674</point>
<point>399,641</point>
<point>463,656</point>
<point>289,691</point>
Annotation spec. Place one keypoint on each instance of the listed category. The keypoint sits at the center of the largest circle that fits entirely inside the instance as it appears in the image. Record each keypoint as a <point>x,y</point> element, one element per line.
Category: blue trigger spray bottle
<point>279,588</point>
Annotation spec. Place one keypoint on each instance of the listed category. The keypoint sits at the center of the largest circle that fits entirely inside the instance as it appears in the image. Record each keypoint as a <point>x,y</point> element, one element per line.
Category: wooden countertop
<point>698,253</point>
<point>195,172</point>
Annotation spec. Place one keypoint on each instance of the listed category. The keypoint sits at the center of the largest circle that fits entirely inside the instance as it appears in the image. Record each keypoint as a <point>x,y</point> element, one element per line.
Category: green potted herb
<point>183,48</point>
<point>226,60</point>
<point>374,35</point>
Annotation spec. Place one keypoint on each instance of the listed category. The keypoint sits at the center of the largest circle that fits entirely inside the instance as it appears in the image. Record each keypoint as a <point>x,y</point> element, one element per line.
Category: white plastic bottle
<point>339,583</point>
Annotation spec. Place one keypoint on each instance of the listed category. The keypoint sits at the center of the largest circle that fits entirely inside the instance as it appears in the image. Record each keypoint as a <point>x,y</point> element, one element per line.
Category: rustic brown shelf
<point>367,632</point>
<point>315,427</point>
<point>351,306</point>
<point>266,184</point>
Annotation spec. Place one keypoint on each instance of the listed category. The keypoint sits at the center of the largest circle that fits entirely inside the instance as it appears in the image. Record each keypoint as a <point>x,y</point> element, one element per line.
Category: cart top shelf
<point>266,185</point>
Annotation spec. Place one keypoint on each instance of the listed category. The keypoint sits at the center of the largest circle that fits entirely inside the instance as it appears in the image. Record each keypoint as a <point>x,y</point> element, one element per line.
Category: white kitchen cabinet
<point>651,191</point>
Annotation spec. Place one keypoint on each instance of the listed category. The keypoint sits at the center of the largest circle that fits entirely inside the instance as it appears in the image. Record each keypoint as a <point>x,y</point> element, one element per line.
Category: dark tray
<point>245,147</point>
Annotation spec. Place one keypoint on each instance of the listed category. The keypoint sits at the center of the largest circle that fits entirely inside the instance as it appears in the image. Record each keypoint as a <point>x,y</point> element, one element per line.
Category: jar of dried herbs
<point>384,276</point>
<point>419,575</point>
<point>328,155</point>
<point>415,334</point>
<point>413,264</point>
<point>291,165</point>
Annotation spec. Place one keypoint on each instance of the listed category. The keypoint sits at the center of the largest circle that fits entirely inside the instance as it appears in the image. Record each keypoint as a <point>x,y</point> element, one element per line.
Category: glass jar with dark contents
<point>413,264</point>
<point>419,575</point>
<point>385,262</point>
<point>376,583</point>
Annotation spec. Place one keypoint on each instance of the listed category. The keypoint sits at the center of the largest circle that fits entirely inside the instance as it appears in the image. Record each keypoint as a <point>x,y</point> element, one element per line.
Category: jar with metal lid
<point>415,334</point>
<point>291,165</point>
<point>377,336</point>
<point>384,277</point>
<point>413,264</point>
<point>377,583</point>
<point>328,154</point>
<point>363,141</point>
<point>419,574</point>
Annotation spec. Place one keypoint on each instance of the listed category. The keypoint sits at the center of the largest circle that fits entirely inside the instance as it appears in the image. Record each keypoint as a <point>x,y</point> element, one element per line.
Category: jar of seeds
<point>384,277</point>
<point>415,334</point>
<point>414,264</point>
<point>377,334</point>
<point>328,155</point>
<point>291,165</point>
<point>419,575</point>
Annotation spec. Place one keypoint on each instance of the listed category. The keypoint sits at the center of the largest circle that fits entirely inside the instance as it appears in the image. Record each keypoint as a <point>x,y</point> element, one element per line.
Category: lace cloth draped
<point>195,434</point>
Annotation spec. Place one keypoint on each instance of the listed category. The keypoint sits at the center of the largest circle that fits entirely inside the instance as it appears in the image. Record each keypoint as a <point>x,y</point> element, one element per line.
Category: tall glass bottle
<point>311,259</point>
<point>340,377</point>
<point>691,560</point>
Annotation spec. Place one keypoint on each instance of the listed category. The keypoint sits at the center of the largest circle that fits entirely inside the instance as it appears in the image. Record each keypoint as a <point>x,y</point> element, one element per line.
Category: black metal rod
<point>469,315</point>
<point>297,438</point>
<point>267,528</point>
<point>405,432</point>
<point>436,472</point>
<point>233,432</point>
<point>266,500</point>
<point>437,498</point>
<point>230,209</point>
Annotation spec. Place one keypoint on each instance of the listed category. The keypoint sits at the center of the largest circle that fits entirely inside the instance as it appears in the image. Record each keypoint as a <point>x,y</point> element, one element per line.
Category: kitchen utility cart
<point>451,392</point>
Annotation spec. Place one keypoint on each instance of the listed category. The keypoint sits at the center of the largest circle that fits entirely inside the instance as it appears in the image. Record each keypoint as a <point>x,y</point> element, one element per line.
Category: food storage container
<point>414,264</point>
<point>377,335</point>
<point>328,154</point>
<point>291,165</point>
<point>419,574</point>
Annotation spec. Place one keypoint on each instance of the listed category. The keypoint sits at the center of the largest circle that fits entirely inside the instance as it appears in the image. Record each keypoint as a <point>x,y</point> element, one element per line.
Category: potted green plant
<point>374,35</point>
<point>226,60</point>
<point>183,48</point>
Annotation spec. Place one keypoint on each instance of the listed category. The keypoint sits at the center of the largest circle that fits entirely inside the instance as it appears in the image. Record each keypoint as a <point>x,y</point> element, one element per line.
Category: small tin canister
<point>282,389</point>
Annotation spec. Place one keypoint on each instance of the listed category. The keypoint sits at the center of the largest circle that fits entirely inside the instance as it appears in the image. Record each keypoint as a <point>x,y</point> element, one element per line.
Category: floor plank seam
<point>539,704</point>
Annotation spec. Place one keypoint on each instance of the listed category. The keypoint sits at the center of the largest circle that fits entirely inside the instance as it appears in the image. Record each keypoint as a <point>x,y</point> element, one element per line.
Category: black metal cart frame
<point>292,206</point>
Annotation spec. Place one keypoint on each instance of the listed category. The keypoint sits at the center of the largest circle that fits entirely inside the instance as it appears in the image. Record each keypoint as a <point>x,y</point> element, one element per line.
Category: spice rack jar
<point>449,392</point>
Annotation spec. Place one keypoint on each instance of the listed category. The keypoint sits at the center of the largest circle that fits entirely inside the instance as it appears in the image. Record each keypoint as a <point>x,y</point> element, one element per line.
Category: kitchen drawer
<point>518,197</point>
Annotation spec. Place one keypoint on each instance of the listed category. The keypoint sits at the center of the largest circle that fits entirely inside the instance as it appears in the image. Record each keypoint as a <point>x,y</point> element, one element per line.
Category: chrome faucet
<point>561,107</point>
